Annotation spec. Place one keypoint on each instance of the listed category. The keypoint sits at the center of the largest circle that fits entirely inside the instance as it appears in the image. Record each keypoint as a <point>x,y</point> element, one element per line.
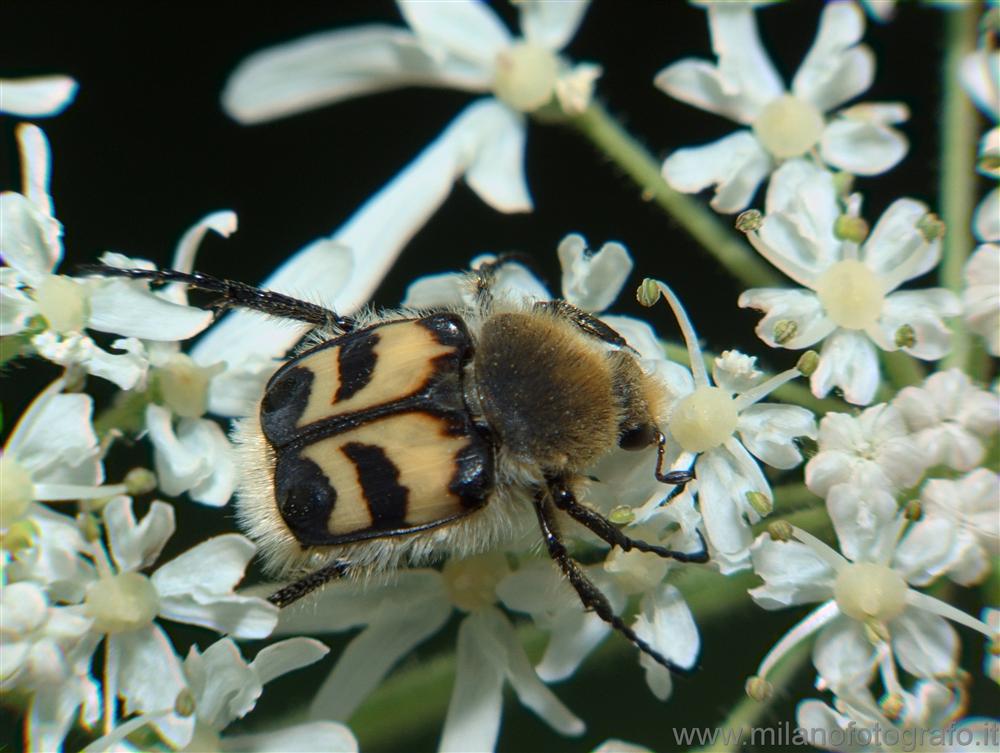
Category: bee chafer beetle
<point>399,438</point>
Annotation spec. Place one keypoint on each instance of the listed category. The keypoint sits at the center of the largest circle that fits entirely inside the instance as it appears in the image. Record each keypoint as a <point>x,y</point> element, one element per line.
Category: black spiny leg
<point>678,478</point>
<point>304,586</point>
<point>233,294</point>
<point>566,501</point>
<point>590,595</point>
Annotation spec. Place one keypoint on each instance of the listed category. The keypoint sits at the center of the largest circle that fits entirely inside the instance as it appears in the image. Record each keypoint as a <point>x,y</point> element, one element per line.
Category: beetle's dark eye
<point>638,438</point>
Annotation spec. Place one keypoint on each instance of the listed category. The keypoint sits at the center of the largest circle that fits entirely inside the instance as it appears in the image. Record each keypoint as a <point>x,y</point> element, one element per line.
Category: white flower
<point>848,301</point>
<point>45,654</point>
<point>725,426</point>
<point>981,297</point>
<point>52,455</point>
<point>870,617</point>
<point>223,687</point>
<point>991,663</point>
<point>460,44</point>
<point>950,418</point>
<point>194,588</point>
<point>591,280</point>
<point>55,309</point>
<point>979,74</point>
<point>972,503</point>
<point>873,450</point>
<point>401,615</point>
<point>745,87</point>
<point>36,96</point>
<point>922,720</point>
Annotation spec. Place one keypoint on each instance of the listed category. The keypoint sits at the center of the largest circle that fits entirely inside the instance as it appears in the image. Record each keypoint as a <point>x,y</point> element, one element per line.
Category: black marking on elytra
<point>379,480</point>
<point>304,495</point>
<point>356,362</point>
<point>284,403</point>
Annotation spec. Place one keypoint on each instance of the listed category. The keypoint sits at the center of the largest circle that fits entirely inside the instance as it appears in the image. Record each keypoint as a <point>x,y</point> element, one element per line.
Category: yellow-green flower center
<point>63,303</point>
<point>704,419</point>
<point>788,127</point>
<point>851,294</point>
<point>16,490</point>
<point>525,76</point>
<point>472,582</point>
<point>866,592</point>
<point>184,385</point>
<point>123,602</point>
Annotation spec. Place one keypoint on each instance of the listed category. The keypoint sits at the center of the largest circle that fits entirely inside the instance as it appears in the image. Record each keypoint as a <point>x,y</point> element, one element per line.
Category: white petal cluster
<point>848,302</point>
<point>781,124</point>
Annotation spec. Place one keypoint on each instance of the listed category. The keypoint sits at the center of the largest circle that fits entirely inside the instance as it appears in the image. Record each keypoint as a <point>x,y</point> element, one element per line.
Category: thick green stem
<point>605,132</point>
<point>959,126</point>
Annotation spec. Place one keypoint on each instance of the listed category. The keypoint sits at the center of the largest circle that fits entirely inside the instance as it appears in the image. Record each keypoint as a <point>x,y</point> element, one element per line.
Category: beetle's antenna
<point>233,294</point>
<point>304,586</point>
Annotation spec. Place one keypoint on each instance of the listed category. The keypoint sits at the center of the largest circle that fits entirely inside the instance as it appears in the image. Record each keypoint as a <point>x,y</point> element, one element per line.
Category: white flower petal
<point>496,172</point>
<point>468,29</point>
<point>240,616</point>
<point>979,76</point>
<point>51,714</point>
<point>925,644</point>
<point>473,719</point>
<point>926,551</point>
<point>549,24</point>
<point>437,291</point>
<point>743,63</point>
<point>235,392</point>
<point>862,147</point>
<point>286,656</point>
<point>769,431</point>
<point>835,70</point>
<point>724,478</point>
<point>701,84</point>
<point>227,688</point>
<point>56,433</point>
<point>530,690</point>
<point>36,171</point>
<point>213,567</point>
<point>206,438</point>
<point>896,242</point>
<point>666,623</point>
<point>16,307</point>
<point>136,546</point>
<point>129,308</point>
<point>981,296</point>
<point>392,633</point>
<point>792,572</point>
<point>843,655</point>
<point>860,516</point>
<point>332,66</point>
<point>310,737</point>
<point>149,677</point>
<point>37,96</point>
<point>801,307</point>
<point>592,280</point>
<point>30,242</point>
<point>224,223</point>
<point>923,311</point>
<point>572,640</point>
<point>178,467</point>
<point>986,221</point>
<point>848,361</point>
<point>735,165</point>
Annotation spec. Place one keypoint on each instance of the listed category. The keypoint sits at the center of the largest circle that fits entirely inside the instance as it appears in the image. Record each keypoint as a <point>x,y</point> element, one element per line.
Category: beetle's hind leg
<point>307,584</point>
<point>590,595</point>
<point>233,294</point>
<point>563,498</point>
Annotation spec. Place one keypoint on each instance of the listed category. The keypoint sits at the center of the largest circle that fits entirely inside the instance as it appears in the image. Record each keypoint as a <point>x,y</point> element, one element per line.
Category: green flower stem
<point>959,126</point>
<point>608,135</point>
<point>747,712</point>
<point>792,392</point>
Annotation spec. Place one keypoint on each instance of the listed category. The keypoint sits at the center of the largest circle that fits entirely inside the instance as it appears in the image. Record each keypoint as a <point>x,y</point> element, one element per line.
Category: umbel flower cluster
<point>889,415</point>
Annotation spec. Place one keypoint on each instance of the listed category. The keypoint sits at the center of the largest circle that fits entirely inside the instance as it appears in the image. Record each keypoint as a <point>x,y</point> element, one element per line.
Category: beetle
<point>399,438</point>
